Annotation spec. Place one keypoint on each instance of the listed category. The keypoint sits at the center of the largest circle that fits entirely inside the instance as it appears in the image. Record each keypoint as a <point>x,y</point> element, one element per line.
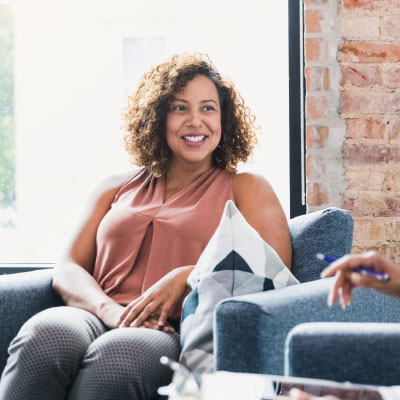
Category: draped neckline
<point>183,190</point>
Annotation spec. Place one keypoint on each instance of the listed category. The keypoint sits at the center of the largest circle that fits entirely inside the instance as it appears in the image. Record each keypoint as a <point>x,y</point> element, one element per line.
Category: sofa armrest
<point>21,296</point>
<point>250,331</point>
<point>366,353</point>
<point>328,231</point>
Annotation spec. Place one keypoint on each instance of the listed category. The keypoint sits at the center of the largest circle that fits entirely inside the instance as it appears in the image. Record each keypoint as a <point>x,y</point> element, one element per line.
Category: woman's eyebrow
<point>202,101</point>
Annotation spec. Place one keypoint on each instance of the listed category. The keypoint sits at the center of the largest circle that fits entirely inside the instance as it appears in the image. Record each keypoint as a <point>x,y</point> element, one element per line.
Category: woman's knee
<point>134,346</point>
<point>130,358</point>
<point>53,335</point>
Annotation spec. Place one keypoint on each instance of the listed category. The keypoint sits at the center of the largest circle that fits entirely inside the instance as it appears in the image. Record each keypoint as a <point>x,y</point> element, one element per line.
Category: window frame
<point>297,95</point>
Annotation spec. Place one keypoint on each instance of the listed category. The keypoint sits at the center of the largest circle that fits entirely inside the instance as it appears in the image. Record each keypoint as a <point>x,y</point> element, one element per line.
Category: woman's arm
<point>258,203</point>
<point>72,278</point>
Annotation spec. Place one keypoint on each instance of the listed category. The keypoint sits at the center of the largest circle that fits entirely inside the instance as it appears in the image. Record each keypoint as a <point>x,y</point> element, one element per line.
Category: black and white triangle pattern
<point>236,261</point>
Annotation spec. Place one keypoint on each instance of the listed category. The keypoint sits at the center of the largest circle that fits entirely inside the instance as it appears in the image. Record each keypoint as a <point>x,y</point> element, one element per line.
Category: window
<point>75,64</point>
<point>296,110</point>
<point>7,143</point>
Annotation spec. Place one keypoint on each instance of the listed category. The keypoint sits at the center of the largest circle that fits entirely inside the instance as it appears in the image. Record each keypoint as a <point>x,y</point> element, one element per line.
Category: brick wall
<point>325,130</point>
<point>362,44</point>
<point>370,64</point>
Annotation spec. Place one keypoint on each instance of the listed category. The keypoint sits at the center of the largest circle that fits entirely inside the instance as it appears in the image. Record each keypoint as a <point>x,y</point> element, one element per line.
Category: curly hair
<point>145,117</point>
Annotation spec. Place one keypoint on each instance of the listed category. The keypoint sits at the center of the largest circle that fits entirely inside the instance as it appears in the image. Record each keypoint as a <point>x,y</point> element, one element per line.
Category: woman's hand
<point>347,279</point>
<point>109,312</point>
<point>152,323</point>
<point>160,299</point>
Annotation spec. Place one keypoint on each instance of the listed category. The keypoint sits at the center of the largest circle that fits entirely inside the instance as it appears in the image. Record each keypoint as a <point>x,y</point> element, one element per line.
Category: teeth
<point>194,138</point>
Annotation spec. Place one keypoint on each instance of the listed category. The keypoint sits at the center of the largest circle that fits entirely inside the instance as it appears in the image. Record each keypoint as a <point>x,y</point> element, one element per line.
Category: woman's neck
<point>179,176</point>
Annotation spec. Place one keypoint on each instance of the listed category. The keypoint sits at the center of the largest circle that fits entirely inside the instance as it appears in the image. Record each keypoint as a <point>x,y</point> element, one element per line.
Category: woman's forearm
<point>79,289</point>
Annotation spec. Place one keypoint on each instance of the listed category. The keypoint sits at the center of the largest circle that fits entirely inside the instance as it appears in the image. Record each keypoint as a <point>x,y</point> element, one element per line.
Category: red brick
<point>391,77</point>
<point>357,128</point>
<point>360,26</point>
<point>361,75</point>
<point>392,181</point>
<point>316,107</point>
<point>369,52</point>
<point>393,204</point>
<point>394,129</point>
<point>316,136</point>
<point>371,4</point>
<point>364,206</point>
<point>361,154</point>
<point>365,231</point>
<point>314,21</point>
<point>317,78</point>
<point>369,205</point>
<point>317,194</point>
<point>393,253</point>
<point>365,179</point>
<point>393,231</point>
<point>370,102</point>
<point>391,26</point>
<point>315,167</point>
<point>382,249</point>
<point>316,49</point>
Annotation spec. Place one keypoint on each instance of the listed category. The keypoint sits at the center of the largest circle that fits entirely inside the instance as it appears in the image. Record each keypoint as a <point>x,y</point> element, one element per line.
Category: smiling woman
<point>126,264</point>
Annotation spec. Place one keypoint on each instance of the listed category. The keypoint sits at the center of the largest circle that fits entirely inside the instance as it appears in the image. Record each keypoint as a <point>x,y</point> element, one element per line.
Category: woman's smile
<point>194,140</point>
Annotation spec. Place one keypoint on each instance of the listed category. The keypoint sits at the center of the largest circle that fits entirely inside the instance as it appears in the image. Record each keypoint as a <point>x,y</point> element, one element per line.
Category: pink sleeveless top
<point>142,238</point>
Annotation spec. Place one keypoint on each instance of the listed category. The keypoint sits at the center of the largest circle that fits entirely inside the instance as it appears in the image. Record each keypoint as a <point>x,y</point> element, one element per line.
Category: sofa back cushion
<point>328,231</point>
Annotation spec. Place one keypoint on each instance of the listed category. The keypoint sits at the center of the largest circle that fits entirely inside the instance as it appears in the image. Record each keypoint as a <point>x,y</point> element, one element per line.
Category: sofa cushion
<point>23,295</point>
<point>328,231</point>
<point>236,261</point>
<point>365,353</point>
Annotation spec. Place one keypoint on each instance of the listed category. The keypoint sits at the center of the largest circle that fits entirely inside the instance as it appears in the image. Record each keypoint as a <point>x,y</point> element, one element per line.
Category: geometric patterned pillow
<point>235,262</point>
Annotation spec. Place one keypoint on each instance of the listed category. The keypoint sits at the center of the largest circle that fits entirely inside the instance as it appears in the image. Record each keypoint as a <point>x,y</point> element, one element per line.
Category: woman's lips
<point>194,140</point>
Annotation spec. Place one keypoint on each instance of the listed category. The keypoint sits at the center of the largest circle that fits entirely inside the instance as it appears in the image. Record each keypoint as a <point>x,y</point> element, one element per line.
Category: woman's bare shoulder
<point>244,182</point>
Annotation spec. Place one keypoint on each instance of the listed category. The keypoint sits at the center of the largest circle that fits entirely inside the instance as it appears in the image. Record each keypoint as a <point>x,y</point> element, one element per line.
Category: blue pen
<point>361,270</point>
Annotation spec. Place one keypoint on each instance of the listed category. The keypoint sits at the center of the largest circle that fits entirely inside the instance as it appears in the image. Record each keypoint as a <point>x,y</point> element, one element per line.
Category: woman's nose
<point>194,119</point>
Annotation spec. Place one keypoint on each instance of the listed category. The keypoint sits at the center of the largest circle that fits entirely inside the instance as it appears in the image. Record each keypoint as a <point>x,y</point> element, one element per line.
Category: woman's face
<point>194,122</point>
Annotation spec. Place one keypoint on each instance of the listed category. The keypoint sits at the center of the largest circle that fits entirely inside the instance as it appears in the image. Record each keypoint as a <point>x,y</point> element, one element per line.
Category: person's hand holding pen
<point>350,272</point>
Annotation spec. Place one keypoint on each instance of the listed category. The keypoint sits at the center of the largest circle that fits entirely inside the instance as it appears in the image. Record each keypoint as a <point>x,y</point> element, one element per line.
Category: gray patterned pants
<point>67,353</point>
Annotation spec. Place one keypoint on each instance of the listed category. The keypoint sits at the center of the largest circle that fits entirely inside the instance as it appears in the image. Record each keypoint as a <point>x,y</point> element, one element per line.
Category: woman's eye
<point>179,107</point>
<point>209,108</point>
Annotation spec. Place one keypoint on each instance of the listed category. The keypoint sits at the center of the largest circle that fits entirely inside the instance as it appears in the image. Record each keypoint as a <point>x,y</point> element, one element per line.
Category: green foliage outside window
<point>7,138</point>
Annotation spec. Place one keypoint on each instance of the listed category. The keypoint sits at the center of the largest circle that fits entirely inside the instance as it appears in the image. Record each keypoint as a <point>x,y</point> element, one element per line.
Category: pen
<point>361,270</point>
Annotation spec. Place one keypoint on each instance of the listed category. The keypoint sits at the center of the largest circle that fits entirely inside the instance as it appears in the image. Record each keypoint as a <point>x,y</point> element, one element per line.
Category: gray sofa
<point>330,231</point>
<point>250,331</point>
<point>360,352</point>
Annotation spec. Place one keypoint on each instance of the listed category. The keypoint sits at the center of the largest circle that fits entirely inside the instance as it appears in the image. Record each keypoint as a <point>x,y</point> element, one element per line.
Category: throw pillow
<point>236,261</point>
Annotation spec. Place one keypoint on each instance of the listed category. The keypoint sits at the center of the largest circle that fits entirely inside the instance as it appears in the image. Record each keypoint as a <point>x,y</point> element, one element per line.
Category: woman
<point>140,236</point>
